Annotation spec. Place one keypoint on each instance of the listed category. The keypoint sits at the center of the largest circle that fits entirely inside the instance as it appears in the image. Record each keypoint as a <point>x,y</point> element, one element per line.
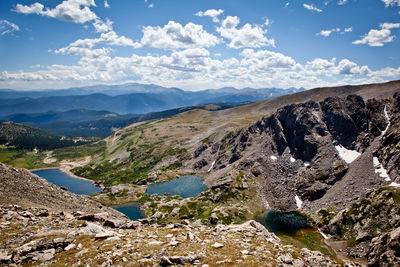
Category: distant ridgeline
<point>86,123</point>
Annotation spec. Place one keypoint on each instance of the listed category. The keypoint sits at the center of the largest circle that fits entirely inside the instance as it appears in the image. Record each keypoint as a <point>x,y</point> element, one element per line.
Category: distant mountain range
<point>87,123</point>
<point>126,99</point>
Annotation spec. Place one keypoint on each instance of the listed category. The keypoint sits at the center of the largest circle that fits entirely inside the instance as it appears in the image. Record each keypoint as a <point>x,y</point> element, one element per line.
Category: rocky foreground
<point>53,227</point>
<point>40,236</point>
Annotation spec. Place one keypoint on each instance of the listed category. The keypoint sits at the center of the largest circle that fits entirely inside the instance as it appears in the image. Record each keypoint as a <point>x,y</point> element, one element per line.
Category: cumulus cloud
<point>102,26</point>
<point>391,2</point>
<point>377,37</point>
<point>342,2</point>
<point>7,27</point>
<point>246,36</point>
<point>175,36</point>
<point>106,4</point>
<point>266,60</point>
<point>151,5</point>
<point>312,7</point>
<point>348,67</point>
<point>194,68</point>
<point>321,64</point>
<point>76,11</point>
<point>213,13</point>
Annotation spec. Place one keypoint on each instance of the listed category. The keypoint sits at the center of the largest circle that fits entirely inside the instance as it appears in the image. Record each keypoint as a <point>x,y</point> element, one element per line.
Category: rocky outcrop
<point>371,226</point>
<point>42,237</point>
<point>389,151</point>
<point>295,150</point>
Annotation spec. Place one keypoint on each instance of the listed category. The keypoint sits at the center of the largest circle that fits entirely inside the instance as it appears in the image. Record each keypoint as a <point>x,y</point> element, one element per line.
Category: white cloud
<point>267,22</point>
<point>247,36</point>
<point>391,2</point>
<point>102,26</point>
<point>312,7</point>
<point>348,67</point>
<point>174,36</point>
<point>287,4</point>
<point>326,33</point>
<point>106,4</point>
<point>266,60</point>
<point>350,29</point>
<point>7,27</point>
<point>389,26</point>
<point>321,64</point>
<point>342,2</point>
<point>213,13</point>
<point>194,68</point>
<point>377,37</point>
<point>151,5</point>
<point>76,11</point>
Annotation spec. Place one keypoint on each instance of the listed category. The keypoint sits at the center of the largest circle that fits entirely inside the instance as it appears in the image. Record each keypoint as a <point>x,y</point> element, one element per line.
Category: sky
<point>195,45</point>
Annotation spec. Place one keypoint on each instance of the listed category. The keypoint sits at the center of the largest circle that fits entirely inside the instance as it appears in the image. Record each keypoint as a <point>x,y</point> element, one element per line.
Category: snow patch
<point>273,158</point>
<point>394,184</point>
<point>380,170</point>
<point>323,235</point>
<point>292,159</point>
<point>388,120</point>
<point>212,165</point>
<point>347,155</point>
<point>307,163</point>
<point>299,203</point>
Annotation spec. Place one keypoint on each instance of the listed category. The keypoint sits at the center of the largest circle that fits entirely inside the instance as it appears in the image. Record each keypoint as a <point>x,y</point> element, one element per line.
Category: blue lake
<point>74,185</point>
<point>283,222</point>
<point>184,186</point>
<point>132,210</point>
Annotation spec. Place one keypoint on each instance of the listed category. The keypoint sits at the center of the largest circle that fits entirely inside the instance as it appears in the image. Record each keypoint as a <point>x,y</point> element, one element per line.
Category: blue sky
<point>197,45</point>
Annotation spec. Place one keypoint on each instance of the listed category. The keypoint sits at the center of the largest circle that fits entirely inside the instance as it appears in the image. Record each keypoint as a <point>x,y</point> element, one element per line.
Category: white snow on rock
<point>347,155</point>
<point>388,120</point>
<point>299,203</point>
<point>380,170</point>
<point>292,159</point>
<point>212,165</point>
<point>307,163</point>
<point>394,184</point>
<point>323,235</point>
<point>273,158</point>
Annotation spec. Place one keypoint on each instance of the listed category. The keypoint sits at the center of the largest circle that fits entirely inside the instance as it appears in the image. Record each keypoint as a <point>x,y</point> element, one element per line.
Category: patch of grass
<point>309,239</point>
<point>23,158</point>
<point>97,148</point>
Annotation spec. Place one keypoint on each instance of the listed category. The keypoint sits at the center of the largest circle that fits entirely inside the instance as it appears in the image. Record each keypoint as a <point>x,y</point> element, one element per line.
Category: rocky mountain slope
<point>20,187</point>
<point>305,152</point>
<point>50,226</point>
<point>321,149</point>
<point>370,227</point>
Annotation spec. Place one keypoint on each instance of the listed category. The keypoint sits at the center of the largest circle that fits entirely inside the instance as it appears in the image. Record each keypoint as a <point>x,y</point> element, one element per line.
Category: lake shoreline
<point>68,172</point>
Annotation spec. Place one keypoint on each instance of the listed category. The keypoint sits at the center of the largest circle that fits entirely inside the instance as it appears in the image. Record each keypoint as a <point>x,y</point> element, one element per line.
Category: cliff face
<point>306,149</point>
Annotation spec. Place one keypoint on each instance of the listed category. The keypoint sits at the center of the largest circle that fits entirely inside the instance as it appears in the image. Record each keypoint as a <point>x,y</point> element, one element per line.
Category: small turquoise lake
<point>74,185</point>
<point>184,186</point>
<point>283,222</point>
<point>131,210</point>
